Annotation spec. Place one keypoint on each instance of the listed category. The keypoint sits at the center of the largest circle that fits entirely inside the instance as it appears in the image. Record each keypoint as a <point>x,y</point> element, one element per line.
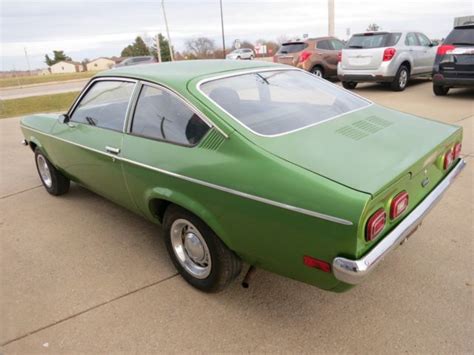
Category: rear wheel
<point>197,253</point>
<point>53,181</point>
<point>440,90</point>
<point>318,71</point>
<point>349,85</point>
<point>400,81</point>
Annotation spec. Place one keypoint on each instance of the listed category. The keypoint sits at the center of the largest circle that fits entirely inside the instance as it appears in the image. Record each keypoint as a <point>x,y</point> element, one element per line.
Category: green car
<point>250,162</point>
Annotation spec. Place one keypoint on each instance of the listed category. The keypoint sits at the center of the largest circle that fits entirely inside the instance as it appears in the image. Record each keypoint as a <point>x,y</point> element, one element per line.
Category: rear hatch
<point>456,55</point>
<point>366,150</point>
<point>365,50</point>
<point>289,52</point>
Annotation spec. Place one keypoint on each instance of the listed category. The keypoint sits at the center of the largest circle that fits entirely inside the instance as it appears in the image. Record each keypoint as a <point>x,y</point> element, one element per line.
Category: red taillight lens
<point>448,159</point>
<point>375,225</point>
<point>304,55</point>
<point>445,48</point>
<point>316,263</point>
<point>388,54</point>
<point>399,204</point>
<point>457,150</point>
<point>339,56</point>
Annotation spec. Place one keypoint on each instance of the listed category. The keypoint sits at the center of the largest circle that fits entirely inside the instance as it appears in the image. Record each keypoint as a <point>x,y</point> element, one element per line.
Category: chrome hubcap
<point>403,78</point>
<point>190,248</point>
<point>44,172</point>
<point>318,73</point>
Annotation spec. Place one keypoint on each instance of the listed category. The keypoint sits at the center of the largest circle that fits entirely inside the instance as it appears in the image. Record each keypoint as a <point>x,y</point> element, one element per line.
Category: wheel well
<point>317,66</point>
<point>407,64</point>
<point>158,208</point>
<point>32,146</point>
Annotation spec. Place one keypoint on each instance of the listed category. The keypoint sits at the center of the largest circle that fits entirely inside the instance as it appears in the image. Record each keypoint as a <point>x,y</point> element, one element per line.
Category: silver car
<point>385,57</point>
<point>242,53</point>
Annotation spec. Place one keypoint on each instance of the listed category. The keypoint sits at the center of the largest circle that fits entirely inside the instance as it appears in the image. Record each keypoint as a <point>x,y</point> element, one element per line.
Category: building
<point>103,63</point>
<point>66,67</point>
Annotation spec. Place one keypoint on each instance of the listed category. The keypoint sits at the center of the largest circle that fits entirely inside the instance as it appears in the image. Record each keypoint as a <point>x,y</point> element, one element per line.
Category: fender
<point>189,204</point>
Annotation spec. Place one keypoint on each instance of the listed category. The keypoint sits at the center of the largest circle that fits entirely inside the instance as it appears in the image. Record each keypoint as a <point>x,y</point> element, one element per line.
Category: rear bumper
<point>440,79</point>
<point>354,271</point>
<point>365,78</point>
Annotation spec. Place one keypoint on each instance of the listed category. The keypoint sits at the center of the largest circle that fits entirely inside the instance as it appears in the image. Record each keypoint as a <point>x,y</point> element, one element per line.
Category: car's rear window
<point>373,40</point>
<point>292,47</point>
<point>461,36</point>
<point>277,102</point>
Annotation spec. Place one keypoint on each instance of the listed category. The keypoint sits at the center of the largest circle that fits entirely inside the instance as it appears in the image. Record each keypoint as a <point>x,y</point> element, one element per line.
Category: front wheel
<point>440,90</point>
<point>197,253</point>
<point>318,71</point>
<point>349,85</point>
<point>400,81</point>
<point>251,57</point>
<point>53,181</point>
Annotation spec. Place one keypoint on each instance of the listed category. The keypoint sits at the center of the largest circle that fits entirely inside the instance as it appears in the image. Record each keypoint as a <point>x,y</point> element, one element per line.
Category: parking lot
<point>80,274</point>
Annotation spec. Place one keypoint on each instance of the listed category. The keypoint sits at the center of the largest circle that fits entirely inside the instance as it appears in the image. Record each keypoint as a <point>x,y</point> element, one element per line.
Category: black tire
<point>238,58</point>
<point>251,57</point>
<point>225,266</point>
<point>400,81</point>
<point>440,90</point>
<point>318,71</point>
<point>349,85</point>
<point>54,182</point>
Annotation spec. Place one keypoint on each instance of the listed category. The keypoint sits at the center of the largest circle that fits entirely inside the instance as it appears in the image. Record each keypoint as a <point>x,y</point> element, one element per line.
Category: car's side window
<point>424,41</point>
<point>411,40</point>
<point>161,115</point>
<point>104,105</point>
<point>323,45</point>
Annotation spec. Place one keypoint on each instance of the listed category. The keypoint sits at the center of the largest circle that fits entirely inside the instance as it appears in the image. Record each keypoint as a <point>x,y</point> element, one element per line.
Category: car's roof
<point>179,73</point>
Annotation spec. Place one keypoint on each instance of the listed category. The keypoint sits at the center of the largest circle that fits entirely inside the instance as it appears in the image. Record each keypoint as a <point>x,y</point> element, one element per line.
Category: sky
<point>94,28</point>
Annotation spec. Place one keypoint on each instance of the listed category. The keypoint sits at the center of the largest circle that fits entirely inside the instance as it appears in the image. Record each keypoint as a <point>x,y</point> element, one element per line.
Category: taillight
<point>457,150</point>
<point>445,48</point>
<point>388,54</point>
<point>399,204</point>
<point>316,263</point>
<point>375,225</point>
<point>448,159</point>
<point>304,55</point>
<point>339,56</point>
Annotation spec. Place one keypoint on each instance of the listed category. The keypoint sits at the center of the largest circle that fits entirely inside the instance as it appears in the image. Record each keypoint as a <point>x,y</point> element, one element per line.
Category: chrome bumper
<point>354,271</point>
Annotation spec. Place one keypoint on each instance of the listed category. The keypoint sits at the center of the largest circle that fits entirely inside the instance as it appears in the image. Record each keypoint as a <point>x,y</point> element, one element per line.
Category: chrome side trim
<point>354,271</point>
<point>207,184</point>
<point>256,70</point>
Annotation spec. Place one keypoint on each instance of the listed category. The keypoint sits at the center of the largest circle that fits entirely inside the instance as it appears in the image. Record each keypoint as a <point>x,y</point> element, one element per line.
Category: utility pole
<point>167,30</point>
<point>330,17</point>
<point>158,48</point>
<point>27,60</point>
<point>222,27</point>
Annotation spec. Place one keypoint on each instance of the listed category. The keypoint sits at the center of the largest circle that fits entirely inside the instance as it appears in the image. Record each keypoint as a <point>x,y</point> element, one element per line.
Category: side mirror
<point>64,118</point>
<point>432,44</point>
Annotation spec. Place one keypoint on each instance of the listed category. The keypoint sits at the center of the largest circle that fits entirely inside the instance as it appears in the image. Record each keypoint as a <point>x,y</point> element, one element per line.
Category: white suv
<point>385,57</point>
<point>242,53</point>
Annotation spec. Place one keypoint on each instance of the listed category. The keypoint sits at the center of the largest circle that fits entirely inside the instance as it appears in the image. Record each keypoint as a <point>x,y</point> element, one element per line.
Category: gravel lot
<point>79,274</point>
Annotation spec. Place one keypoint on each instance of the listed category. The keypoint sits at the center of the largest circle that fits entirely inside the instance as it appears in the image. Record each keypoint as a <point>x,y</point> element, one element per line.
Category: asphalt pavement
<point>82,275</point>
<point>42,89</point>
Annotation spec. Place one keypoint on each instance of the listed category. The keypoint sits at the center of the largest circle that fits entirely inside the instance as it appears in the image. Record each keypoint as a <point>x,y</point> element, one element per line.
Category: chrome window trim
<point>207,184</point>
<point>252,71</point>
<point>91,82</point>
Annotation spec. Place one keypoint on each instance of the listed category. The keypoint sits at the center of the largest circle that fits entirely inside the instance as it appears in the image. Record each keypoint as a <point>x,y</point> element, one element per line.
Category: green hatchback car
<point>250,162</point>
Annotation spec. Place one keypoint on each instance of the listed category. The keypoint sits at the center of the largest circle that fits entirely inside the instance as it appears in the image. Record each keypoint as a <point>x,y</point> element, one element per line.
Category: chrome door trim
<point>265,69</point>
<point>207,184</point>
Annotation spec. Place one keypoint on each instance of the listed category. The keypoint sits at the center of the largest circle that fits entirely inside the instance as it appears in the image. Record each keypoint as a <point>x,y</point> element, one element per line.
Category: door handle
<point>112,150</point>
<point>71,125</point>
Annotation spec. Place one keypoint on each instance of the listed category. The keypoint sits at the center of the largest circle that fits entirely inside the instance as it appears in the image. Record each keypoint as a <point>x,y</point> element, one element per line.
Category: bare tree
<point>201,47</point>
<point>282,39</point>
<point>373,27</point>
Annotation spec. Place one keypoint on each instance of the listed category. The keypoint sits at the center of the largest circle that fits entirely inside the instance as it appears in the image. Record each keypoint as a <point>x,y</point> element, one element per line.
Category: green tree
<point>137,48</point>
<point>58,56</point>
<point>164,48</point>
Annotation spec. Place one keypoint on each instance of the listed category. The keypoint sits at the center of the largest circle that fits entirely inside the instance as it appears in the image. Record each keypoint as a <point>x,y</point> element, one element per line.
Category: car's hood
<point>365,150</point>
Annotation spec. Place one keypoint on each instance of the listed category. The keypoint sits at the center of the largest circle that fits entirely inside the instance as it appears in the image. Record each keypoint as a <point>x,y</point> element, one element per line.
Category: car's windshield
<point>277,102</point>
<point>373,40</point>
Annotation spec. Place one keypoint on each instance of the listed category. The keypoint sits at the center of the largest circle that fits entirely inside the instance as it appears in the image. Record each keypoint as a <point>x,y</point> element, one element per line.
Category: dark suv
<point>454,63</point>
